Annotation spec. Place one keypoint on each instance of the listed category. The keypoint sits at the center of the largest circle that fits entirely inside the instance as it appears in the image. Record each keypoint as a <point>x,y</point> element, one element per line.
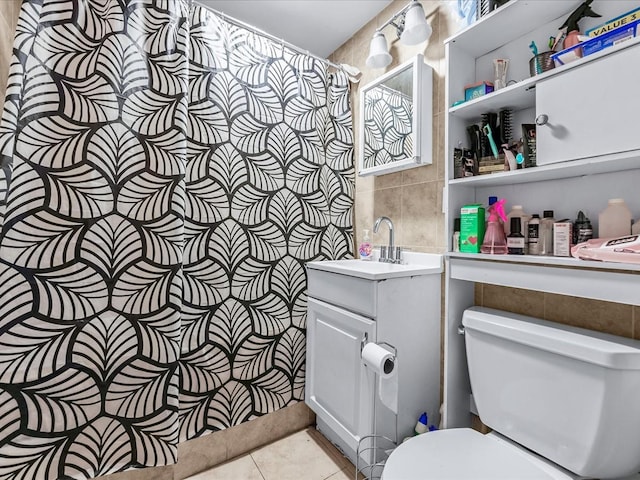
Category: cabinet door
<point>592,110</point>
<point>339,389</point>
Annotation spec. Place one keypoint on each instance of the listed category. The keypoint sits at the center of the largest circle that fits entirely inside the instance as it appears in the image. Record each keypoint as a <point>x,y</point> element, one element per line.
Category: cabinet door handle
<point>542,119</point>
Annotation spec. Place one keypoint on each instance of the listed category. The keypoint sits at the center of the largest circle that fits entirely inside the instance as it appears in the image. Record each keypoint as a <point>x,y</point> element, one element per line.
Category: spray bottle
<point>495,241</point>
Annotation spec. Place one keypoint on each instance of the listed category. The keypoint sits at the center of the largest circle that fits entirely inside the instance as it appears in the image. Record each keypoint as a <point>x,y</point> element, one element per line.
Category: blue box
<point>609,39</point>
<point>595,44</point>
<point>477,90</point>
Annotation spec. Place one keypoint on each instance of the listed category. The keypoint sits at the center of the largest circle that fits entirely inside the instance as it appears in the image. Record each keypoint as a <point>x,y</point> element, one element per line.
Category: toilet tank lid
<point>603,349</point>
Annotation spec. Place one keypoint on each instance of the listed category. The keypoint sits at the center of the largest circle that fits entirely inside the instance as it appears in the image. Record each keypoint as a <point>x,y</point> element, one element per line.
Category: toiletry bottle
<point>456,235</point>
<point>615,220</point>
<point>533,235</point>
<point>515,240</point>
<point>490,201</point>
<point>582,229</point>
<point>365,249</point>
<point>518,211</point>
<point>421,425</point>
<point>546,233</point>
<point>635,229</point>
<point>495,241</point>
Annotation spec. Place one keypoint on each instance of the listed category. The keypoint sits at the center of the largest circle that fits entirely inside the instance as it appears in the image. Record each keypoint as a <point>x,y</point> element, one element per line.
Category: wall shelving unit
<point>582,177</point>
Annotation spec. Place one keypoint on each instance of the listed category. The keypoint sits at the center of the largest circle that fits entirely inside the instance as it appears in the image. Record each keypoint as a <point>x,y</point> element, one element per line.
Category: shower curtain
<point>165,176</point>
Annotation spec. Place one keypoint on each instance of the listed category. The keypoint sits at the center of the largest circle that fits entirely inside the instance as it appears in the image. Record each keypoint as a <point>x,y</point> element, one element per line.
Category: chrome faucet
<point>389,253</point>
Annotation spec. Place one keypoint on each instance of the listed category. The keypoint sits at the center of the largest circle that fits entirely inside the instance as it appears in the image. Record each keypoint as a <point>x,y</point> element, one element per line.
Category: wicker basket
<point>541,63</point>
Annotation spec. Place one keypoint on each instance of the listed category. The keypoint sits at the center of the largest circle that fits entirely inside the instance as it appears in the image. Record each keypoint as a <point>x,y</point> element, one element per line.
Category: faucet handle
<point>383,254</point>
<point>397,255</point>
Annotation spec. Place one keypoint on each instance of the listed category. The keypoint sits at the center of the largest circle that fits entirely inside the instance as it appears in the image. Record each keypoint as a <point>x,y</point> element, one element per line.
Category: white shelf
<point>521,95</point>
<point>613,282</point>
<point>577,168</point>
<point>511,21</point>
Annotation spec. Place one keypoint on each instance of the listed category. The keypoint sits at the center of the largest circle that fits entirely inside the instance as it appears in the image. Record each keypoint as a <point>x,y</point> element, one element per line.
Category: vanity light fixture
<point>412,28</point>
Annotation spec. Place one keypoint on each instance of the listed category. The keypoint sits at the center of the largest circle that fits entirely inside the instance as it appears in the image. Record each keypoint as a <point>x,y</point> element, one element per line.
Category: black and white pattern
<point>165,176</point>
<point>388,116</point>
<point>269,186</point>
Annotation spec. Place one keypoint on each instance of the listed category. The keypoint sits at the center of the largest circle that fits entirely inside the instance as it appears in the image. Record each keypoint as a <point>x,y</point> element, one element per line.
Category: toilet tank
<point>569,394</point>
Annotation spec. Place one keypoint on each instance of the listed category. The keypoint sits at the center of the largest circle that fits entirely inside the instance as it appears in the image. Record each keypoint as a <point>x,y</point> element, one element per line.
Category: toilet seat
<point>463,453</point>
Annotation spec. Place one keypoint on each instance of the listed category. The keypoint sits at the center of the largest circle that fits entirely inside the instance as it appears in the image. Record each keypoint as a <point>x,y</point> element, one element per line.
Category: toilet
<point>563,403</point>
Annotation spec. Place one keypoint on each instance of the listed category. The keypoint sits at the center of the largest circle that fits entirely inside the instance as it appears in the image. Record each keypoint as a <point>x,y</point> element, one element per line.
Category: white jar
<point>615,220</point>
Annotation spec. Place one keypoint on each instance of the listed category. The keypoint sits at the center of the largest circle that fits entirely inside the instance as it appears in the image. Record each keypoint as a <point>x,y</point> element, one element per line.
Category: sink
<point>416,264</point>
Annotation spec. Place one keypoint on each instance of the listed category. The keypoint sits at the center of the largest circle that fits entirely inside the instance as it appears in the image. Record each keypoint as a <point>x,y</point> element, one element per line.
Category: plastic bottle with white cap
<point>615,220</point>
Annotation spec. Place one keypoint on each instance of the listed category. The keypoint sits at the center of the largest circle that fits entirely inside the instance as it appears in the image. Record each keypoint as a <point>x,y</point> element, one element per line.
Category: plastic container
<point>615,220</point>
<point>594,45</point>
<point>546,233</point>
<point>365,249</point>
<point>635,229</point>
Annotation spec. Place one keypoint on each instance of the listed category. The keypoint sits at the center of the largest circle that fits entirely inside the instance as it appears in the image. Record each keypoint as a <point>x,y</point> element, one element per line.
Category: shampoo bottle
<point>365,250</point>
<point>582,229</point>
<point>518,211</point>
<point>495,241</point>
<point>533,235</point>
<point>515,240</point>
<point>546,233</point>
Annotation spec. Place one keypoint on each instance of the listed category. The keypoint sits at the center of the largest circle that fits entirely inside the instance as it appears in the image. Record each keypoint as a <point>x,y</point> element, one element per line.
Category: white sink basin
<point>417,264</point>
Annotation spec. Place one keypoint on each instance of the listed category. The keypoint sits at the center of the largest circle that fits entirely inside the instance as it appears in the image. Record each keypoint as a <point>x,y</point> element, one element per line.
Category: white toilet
<point>563,403</point>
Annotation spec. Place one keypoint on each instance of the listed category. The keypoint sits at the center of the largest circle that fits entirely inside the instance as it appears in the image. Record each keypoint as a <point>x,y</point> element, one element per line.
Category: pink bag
<point>622,249</point>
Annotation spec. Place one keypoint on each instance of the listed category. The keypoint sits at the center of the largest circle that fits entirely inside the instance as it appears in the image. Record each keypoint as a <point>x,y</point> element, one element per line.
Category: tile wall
<point>412,198</point>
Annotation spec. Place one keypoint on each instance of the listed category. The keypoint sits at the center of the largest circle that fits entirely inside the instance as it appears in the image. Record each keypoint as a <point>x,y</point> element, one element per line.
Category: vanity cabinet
<point>587,152</point>
<point>338,388</point>
<point>352,303</point>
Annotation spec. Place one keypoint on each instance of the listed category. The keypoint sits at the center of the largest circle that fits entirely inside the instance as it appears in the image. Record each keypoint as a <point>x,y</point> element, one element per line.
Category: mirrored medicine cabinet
<point>395,127</point>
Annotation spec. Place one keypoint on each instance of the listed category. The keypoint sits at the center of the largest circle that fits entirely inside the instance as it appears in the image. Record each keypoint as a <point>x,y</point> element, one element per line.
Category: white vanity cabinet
<point>351,303</point>
<point>591,110</point>
<point>338,388</point>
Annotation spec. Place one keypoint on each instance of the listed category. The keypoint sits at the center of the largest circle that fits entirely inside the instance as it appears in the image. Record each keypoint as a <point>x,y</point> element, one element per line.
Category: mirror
<point>395,119</point>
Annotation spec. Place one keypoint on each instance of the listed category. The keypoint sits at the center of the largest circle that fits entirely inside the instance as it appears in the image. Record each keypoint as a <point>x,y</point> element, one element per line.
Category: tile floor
<point>303,455</point>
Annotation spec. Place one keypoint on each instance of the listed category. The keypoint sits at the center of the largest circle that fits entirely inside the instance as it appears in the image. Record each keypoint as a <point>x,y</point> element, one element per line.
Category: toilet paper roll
<point>383,363</point>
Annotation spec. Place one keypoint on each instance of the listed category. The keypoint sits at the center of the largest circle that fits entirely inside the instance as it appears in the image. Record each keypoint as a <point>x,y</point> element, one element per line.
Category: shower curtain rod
<point>281,41</point>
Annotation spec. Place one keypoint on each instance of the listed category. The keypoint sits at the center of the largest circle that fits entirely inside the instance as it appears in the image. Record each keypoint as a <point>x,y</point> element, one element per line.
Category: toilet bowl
<point>563,403</point>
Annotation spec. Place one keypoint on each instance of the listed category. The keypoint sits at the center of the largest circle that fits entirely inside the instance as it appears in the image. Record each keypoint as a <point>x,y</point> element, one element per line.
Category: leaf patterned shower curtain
<point>165,176</point>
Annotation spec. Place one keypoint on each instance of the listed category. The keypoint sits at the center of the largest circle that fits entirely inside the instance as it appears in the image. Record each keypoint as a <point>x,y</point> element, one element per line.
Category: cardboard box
<point>471,228</point>
<point>562,238</point>
<point>619,21</point>
<point>595,44</point>
<point>476,90</point>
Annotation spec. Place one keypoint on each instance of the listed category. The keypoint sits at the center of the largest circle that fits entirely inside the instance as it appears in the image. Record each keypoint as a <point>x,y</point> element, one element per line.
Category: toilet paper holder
<point>373,450</point>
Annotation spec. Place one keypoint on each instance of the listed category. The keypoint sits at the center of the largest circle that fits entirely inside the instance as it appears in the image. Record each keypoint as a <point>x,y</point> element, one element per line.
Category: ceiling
<point>318,26</point>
